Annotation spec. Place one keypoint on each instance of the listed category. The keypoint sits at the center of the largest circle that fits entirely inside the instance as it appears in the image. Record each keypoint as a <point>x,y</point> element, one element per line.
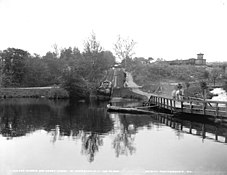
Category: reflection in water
<point>205,130</point>
<point>90,123</point>
<point>123,143</point>
<point>60,118</point>
<point>90,145</point>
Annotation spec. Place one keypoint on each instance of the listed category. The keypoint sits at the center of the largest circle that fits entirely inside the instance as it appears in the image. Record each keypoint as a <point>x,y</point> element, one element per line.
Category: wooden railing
<point>191,105</point>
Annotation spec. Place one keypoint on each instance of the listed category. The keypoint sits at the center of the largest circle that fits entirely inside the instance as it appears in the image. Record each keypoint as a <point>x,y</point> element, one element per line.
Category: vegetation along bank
<point>36,92</point>
<point>77,72</point>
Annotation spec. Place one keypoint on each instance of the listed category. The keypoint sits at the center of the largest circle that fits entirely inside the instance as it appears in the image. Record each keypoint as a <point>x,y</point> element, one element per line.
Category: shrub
<point>75,85</point>
<point>58,93</point>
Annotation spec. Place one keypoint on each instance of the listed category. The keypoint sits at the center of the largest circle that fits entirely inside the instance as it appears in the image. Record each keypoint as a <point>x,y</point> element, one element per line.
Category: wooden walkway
<point>217,109</point>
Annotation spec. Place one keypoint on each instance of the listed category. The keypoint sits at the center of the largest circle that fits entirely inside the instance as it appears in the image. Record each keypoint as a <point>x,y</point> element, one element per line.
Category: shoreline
<point>34,92</point>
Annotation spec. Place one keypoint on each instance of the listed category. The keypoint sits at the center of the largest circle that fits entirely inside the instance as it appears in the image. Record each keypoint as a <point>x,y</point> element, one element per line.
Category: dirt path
<point>165,88</point>
<point>135,88</point>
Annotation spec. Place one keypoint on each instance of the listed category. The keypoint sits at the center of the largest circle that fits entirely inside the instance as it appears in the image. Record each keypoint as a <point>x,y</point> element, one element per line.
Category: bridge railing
<point>191,105</point>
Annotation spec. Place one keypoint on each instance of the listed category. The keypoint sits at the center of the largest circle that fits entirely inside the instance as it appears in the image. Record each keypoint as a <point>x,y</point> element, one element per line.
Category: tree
<point>124,49</point>
<point>150,59</point>
<point>34,70</point>
<point>225,85</point>
<point>92,45</point>
<point>215,73</point>
<point>76,86</point>
<point>54,68</point>
<point>93,54</point>
<point>206,75</point>
<point>56,50</point>
<point>14,66</point>
<point>204,87</point>
<point>108,60</point>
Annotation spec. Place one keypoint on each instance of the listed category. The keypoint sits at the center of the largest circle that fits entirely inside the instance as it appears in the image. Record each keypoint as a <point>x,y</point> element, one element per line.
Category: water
<point>221,94</point>
<point>38,136</point>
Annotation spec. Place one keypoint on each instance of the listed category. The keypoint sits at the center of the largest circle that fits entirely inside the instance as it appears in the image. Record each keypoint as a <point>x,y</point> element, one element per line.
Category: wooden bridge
<point>217,109</point>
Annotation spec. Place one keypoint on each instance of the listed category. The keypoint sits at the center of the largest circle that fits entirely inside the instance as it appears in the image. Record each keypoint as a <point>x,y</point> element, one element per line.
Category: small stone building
<point>200,60</point>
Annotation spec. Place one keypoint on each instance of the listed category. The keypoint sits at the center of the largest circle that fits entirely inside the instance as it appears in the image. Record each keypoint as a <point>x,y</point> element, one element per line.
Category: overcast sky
<point>168,29</point>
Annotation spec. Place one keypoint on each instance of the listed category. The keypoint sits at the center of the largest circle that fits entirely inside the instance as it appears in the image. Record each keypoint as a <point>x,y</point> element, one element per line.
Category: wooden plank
<point>216,109</point>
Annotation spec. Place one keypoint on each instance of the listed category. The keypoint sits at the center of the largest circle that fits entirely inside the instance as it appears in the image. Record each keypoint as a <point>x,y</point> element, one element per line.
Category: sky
<point>168,29</point>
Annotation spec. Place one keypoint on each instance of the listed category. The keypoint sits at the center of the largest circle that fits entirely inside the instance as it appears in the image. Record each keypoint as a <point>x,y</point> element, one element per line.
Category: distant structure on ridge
<point>200,61</point>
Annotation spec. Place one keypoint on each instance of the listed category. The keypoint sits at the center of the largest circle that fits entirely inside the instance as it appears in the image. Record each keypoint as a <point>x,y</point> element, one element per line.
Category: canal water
<point>40,136</point>
<point>220,93</point>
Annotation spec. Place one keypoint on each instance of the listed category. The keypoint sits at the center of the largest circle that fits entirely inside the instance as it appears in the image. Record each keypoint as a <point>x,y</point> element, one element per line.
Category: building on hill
<point>200,61</point>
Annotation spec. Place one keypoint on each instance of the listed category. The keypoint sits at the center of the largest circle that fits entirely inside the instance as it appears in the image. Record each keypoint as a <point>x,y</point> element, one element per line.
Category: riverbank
<point>34,92</point>
<point>165,88</point>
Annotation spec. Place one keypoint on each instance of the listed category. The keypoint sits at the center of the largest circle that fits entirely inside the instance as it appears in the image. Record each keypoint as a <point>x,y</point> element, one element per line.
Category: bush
<point>58,93</point>
<point>196,90</point>
<point>75,85</point>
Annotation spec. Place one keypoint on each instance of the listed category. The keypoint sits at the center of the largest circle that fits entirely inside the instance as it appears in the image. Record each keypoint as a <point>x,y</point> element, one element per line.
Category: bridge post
<point>216,109</point>
<point>171,106</point>
<point>182,106</point>
<point>204,108</point>
<point>226,109</point>
<point>191,107</point>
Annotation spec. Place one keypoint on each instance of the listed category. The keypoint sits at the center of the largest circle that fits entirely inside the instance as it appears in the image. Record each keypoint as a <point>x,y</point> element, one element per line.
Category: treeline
<point>78,72</point>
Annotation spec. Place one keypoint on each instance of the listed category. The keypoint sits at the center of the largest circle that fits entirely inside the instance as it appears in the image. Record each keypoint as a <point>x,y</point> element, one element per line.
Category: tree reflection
<point>7,130</point>
<point>90,145</point>
<point>123,143</point>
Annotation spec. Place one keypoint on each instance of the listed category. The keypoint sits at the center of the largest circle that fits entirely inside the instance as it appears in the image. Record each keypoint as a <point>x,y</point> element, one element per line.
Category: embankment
<point>33,92</point>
